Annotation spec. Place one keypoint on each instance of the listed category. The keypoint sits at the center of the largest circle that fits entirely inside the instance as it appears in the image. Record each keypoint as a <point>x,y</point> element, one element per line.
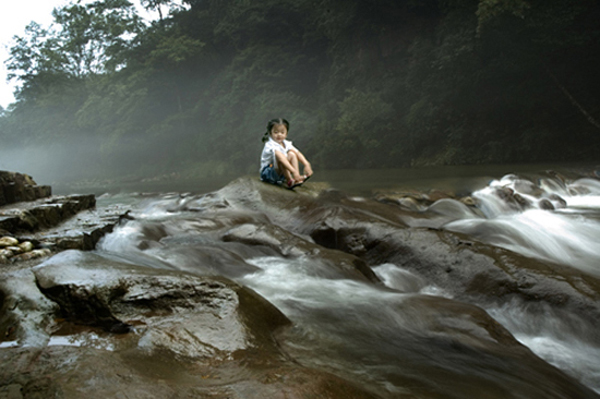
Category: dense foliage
<point>364,83</point>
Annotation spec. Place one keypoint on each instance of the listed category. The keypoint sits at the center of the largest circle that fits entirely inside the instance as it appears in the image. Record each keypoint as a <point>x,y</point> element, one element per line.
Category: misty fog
<point>365,85</point>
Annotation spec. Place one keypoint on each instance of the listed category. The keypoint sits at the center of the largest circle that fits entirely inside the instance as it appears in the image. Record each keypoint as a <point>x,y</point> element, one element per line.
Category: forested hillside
<point>364,83</point>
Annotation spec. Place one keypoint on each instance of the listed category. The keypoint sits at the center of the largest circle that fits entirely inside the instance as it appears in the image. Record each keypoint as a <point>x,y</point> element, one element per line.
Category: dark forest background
<point>364,84</point>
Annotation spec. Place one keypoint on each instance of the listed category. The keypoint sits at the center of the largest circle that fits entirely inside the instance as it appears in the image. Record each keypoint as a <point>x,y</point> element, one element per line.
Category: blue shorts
<point>270,175</point>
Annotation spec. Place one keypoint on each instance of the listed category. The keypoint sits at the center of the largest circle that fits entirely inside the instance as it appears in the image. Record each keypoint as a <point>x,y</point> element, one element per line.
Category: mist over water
<point>55,164</point>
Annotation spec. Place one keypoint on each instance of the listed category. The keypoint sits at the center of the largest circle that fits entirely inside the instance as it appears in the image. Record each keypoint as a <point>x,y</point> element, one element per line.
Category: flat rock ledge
<point>35,224</point>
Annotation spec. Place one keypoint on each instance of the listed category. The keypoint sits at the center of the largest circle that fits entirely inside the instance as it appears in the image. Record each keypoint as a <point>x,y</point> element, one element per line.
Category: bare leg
<point>286,173</point>
<point>288,165</point>
<point>291,156</point>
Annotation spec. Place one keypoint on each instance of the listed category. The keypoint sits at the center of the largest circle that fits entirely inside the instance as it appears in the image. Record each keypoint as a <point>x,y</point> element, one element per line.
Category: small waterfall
<point>550,219</point>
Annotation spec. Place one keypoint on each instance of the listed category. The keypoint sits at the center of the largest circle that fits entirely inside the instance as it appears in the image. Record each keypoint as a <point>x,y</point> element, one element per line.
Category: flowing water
<point>389,337</point>
<point>567,235</point>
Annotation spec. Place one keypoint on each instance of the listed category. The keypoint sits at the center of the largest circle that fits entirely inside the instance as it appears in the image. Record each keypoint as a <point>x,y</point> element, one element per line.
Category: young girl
<point>280,160</point>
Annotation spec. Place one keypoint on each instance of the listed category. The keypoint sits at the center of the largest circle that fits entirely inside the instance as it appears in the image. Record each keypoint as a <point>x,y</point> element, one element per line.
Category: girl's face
<point>279,133</point>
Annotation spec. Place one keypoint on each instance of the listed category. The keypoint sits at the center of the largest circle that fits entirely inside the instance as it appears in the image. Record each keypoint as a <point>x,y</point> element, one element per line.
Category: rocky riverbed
<point>35,224</point>
<point>186,298</point>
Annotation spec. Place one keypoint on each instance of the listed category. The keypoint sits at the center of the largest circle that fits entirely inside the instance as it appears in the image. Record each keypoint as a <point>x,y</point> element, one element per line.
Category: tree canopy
<point>364,83</point>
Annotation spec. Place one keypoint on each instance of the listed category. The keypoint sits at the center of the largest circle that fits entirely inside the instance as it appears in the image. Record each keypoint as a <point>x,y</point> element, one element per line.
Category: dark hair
<point>273,122</point>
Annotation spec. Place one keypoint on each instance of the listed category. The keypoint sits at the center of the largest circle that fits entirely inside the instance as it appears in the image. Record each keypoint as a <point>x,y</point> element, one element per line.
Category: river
<point>383,337</point>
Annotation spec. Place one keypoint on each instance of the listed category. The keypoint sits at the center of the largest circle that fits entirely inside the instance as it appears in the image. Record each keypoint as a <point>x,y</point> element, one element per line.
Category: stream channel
<point>381,337</point>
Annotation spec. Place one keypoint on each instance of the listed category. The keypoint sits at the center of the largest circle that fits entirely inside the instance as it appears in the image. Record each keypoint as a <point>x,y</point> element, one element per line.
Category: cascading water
<point>552,220</point>
<point>407,333</point>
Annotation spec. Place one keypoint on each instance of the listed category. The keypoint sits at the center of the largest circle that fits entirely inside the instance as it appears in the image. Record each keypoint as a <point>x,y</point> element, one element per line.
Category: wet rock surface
<point>319,221</point>
<point>140,332</point>
<point>18,187</point>
<point>35,224</point>
<point>118,297</point>
<point>166,311</point>
<point>44,213</point>
<point>378,233</point>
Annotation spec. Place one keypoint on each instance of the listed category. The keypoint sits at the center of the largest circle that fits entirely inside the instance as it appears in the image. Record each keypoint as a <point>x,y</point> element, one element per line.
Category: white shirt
<point>268,153</point>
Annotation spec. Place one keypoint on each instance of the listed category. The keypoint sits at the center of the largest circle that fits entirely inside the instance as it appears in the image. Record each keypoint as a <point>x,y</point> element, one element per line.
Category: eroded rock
<point>187,314</point>
<point>16,187</point>
<point>290,245</point>
<point>148,330</point>
<point>376,233</point>
<point>149,333</point>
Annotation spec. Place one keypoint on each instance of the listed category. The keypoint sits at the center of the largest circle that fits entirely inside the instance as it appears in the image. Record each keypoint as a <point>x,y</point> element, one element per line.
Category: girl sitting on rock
<point>279,162</point>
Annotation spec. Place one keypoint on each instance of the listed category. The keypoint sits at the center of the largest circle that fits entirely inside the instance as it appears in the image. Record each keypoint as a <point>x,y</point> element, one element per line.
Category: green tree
<point>84,40</point>
<point>381,82</point>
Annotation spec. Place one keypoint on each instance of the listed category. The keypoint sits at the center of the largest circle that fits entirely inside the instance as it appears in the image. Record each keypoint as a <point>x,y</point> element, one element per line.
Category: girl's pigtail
<point>265,137</point>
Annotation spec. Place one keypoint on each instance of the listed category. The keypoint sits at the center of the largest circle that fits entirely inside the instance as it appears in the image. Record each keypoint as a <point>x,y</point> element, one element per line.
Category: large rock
<point>113,329</point>
<point>153,316</point>
<point>315,227</point>
<point>377,233</point>
<point>186,314</point>
<point>43,213</point>
<point>26,315</point>
<point>17,187</point>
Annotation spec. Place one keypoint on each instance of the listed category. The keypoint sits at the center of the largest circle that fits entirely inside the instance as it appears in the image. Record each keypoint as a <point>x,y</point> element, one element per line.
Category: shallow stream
<point>388,337</point>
